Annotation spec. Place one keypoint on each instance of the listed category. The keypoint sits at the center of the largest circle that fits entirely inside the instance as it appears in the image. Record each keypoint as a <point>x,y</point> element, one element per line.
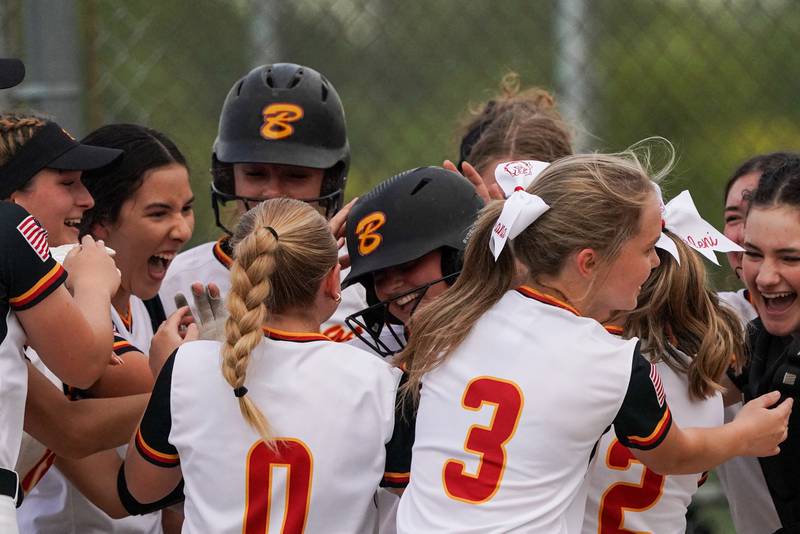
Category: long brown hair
<point>678,311</point>
<point>282,250</point>
<point>595,202</point>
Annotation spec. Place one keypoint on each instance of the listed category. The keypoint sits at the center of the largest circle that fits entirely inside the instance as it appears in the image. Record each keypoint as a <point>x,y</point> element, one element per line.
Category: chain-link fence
<point>718,78</point>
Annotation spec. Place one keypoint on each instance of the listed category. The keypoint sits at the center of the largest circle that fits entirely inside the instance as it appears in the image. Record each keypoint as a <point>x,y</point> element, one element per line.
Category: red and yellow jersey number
<point>293,455</point>
<point>487,442</point>
<point>622,496</point>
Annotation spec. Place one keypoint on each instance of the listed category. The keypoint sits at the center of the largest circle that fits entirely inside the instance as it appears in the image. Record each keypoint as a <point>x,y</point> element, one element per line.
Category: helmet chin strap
<point>370,323</point>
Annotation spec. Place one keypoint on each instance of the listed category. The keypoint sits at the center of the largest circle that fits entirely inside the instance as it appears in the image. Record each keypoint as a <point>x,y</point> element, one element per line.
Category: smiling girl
<point>515,398</point>
<point>771,271</point>
<point>40,170</point>
<point>143,210</point>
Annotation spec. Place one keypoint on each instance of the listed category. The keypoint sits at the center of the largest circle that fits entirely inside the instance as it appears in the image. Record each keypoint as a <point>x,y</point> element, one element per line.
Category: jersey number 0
<point>295,456</point>
<point>487,442</point>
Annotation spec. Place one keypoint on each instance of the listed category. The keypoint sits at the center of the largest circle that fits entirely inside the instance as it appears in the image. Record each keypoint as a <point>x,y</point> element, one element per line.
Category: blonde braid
<point>15,131</point>
<point>250,288</point>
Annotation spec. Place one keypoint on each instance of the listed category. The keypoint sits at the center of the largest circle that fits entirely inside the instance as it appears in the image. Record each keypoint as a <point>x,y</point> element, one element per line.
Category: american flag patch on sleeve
<point>655,378</point>
<point>36,236</point>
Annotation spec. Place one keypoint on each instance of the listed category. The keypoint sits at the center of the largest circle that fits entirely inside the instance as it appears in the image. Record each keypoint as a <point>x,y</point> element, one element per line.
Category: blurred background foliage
<point>717,78</point>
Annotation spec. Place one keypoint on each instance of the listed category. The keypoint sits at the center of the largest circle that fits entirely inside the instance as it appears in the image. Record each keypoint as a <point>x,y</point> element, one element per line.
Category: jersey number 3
<point>487,442</point>
<point>296,458</point>
<point>623,496</point>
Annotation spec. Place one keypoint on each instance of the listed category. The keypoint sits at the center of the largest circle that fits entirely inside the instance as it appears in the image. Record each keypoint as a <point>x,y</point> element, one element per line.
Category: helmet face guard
<point>378,328</point>
<point>283,114</point>
<point>328,204</point>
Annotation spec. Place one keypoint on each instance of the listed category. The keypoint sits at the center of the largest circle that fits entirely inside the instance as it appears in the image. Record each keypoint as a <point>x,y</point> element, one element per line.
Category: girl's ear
<point>587,262</point>
<point>100,231</point>
<point>332,282</point>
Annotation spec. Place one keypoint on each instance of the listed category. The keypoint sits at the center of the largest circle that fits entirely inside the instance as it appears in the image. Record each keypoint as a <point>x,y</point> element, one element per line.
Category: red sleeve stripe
<point>397,478</point>
<point>154,456</point>
<point>122,346</point>
<point>36,473</point>
<point>41,287</point>
<point>656,435</point>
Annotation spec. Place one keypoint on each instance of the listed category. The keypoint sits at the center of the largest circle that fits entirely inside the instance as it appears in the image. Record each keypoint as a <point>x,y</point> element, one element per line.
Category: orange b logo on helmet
<point>368,239</point>
<point>278,119</point>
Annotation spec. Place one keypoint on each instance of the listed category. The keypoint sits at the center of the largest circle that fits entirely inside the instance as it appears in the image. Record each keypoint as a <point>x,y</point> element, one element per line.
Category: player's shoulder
<point>352,359</point>
<point>11,214</point>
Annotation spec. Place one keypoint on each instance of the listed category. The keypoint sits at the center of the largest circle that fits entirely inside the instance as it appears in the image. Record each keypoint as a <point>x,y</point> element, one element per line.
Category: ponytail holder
<point>680,216</point>
<point>240,392</point>
<point>272,231</point>
<point>520,208</point>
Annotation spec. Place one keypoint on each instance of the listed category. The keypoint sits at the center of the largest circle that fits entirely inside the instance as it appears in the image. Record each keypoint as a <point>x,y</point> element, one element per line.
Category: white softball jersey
<point>331,408</point>
<point>209,263</point>
<point>54,505</point>
<point>626,496</point>
<point>507,424</point>
<point>742,479</point>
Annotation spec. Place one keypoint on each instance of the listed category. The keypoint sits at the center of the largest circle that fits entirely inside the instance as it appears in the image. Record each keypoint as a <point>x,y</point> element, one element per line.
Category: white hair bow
<point>681,217</point>
<point>520,208</point>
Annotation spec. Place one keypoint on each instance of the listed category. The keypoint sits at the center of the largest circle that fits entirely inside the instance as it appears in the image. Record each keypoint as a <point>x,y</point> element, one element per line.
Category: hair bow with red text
<point>680,216</point>
<point>521,208</point>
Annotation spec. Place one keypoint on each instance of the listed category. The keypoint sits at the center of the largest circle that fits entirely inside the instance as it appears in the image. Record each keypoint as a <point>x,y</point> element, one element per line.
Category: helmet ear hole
<point>452,261</point>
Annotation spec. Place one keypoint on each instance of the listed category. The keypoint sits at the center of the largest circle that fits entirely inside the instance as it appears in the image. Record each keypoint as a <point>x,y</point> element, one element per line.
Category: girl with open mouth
<point>143,210</point>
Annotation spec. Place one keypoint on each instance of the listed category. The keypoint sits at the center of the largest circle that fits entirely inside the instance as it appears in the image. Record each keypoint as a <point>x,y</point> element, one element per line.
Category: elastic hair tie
<point>272,231</point>
<point>240,392</point>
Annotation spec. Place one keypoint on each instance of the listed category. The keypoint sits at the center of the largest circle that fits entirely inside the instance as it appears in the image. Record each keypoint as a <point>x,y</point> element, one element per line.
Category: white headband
<point>681,217</point>
<point>520,208</point>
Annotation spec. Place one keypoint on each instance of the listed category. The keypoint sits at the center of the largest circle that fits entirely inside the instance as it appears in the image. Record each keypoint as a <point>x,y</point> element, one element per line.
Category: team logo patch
<point>655,378</point>
<point>368,238</point>
<point>278,119</point>
<point>36,236</point>
<point>519,168</point>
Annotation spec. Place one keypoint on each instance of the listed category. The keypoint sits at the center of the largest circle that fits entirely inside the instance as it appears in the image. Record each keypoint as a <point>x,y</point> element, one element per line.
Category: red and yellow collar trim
<point>614,329</point>
<point>220,253</point>
<point>299,337</point>
<point>127,318</point>
<point>546,299</point>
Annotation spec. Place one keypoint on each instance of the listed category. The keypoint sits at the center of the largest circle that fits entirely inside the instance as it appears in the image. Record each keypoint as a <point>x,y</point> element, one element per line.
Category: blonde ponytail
<point>282,249</point>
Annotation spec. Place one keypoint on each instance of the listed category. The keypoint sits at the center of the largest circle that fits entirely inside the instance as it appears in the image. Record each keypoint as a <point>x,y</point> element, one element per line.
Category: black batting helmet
<point>284,114</point>
<point>402,219</point>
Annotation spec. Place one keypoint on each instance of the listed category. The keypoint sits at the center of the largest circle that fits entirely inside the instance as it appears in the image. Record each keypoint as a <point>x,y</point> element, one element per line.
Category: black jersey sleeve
<point>152,436</point>
<point>644,419</point>
<point>28,271</point>
<point>398,450</point>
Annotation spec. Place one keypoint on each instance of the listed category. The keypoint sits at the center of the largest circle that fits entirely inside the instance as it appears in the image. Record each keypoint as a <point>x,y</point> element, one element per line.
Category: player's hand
<point>90,265</point>
<point>763,428</point>
<point>211,312</point>
<point>338,223</point>
<point>174,332</point>
<point>487,193</point>
<point>338,226</point>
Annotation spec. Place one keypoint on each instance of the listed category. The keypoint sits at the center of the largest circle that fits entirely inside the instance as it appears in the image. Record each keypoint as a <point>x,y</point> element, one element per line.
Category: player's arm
<point>644,425</point>
<point>152,466</point>
<point>398,450</point>
<point>96,478</point>
<point>72,335</point>
<point>131,377</point>
<point>77,429</point>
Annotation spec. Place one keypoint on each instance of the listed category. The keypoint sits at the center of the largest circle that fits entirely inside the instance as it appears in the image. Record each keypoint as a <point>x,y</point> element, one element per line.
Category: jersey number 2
<point>488,442</point>
<point>623,496</point>
<point>296,458</point>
